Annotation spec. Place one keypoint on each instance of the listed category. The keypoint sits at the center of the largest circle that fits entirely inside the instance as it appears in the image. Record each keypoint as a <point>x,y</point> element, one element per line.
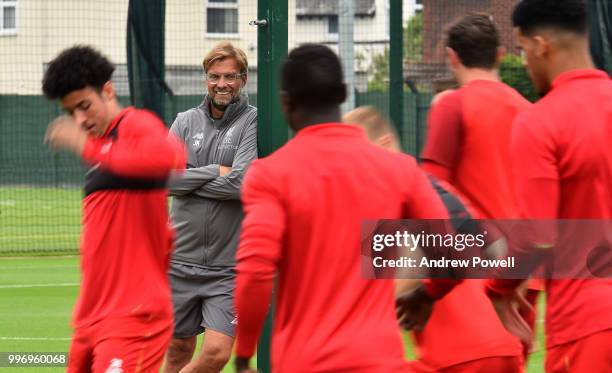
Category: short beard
<point>223,107</point>
<point>219,106</point>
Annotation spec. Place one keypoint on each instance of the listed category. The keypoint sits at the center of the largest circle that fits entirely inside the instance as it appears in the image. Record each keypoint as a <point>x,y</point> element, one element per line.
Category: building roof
<point>309,8</point>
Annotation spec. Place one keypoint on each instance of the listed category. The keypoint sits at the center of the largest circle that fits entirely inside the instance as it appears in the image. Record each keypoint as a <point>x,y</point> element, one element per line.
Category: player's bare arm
<point>63,133</point>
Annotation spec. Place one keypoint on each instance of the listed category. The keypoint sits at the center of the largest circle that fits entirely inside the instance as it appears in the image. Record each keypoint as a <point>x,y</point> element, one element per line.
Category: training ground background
<point>37,293</point>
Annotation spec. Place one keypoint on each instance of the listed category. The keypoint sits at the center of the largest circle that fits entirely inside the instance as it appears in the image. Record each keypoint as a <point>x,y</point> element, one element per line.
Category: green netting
<point>40,191</point>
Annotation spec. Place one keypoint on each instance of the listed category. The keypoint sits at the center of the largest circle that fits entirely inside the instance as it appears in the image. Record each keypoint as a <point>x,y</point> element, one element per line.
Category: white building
<point>410,8</point>
<point>32,32</point>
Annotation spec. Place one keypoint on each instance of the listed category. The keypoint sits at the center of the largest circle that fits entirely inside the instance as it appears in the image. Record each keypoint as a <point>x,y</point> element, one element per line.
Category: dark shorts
<point>203,298</point>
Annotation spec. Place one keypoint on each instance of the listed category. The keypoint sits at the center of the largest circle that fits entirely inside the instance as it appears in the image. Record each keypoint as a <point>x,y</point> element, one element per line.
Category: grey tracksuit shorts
<point>203,298</point>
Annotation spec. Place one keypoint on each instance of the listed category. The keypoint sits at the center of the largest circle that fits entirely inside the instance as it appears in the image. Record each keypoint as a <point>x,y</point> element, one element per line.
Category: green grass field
<point>39,220</point>
<point>37,297</point>
<point>38,292</point>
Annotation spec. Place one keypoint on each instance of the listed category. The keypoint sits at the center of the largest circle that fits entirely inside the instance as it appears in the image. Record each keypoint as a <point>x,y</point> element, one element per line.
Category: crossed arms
<point>216,181</point>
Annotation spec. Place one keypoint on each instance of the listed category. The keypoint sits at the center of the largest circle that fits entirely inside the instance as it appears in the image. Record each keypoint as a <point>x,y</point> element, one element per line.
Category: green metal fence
<point>395,67</point>
<point>392,51</point>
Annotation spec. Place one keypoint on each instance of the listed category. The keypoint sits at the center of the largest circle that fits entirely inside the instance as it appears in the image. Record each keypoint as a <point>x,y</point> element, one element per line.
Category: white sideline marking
<point>39,285</point>
<point>75,266</point>
<point>39,236</point>
<point>39,258</point>
<point>33,339</point>
<point>22,315</point>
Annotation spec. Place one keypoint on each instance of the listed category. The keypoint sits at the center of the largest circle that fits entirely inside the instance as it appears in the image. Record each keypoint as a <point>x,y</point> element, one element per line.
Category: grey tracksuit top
<point>206,210</point>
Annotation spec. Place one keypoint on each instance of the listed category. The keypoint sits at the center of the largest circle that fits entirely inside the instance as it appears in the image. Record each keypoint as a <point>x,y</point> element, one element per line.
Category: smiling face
<point>224,82</point>
<point>90,109</point>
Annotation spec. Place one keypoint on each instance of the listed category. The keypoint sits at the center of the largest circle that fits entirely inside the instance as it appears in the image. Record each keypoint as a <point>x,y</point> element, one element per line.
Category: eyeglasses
<point>230,78</point>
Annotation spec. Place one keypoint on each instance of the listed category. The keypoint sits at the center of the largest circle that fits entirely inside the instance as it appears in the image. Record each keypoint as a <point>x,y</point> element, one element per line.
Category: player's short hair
<point>475,39</point>
<point>76,68</point>
<point>372,121</point>
<point>312,76</point>
<point>566,15</point>
<point>226,50</point>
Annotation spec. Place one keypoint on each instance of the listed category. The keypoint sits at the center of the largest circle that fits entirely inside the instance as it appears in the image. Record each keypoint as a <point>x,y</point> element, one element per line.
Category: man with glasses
<point>221,139</point>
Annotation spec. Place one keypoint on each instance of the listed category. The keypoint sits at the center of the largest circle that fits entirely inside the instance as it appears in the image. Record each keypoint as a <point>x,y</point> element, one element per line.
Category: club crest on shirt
<point>115,366</point>
<point>106,148</point>
<point>197,139</point>
<point>227,142</point>
<point>228,136</point>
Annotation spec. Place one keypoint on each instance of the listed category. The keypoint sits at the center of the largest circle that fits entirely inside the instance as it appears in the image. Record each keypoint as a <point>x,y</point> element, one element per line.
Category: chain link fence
<point>40,191</point>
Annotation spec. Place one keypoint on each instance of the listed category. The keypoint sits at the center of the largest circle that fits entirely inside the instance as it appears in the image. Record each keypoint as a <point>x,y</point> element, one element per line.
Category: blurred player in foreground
<point>562,166</point>
<point>123,318</point>
<point>468,146</point>
<point>456,338</point>
<point>304,205</point>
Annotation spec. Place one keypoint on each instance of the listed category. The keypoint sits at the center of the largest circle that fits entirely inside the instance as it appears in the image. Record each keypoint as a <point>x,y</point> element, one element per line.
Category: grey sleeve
<point>228,186</point>
<point>176,128</point>
<point>186,181</point>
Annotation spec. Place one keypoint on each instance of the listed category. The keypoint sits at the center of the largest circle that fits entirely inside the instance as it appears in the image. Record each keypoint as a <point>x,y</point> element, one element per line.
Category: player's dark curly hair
<point>312,76</point>
<point>567,15</point>
<point>475,39</point>
<point>76,68</point>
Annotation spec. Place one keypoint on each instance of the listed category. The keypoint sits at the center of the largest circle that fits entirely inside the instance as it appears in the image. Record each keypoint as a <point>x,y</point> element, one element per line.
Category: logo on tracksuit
<point>227,142</point>
<point>228,136</point>
<point>115,366</point>
<point>197,139</point>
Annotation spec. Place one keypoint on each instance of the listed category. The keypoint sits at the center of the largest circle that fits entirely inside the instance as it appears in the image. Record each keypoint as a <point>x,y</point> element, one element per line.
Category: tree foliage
<point>413,39</point>
<point>379,80</point>
<point>513,73</point>
<point>413,52</point>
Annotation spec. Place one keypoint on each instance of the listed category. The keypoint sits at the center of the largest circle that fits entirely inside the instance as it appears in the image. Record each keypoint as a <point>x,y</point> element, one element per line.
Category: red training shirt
<point>304,205</point>
<point>468,136</point>
<point>562,147</point>
<point>126,239</point>
<point>468,145</point>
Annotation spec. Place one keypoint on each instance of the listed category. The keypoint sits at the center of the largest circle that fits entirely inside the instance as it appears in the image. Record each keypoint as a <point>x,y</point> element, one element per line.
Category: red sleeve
<point>536,176</point>
<point>142,148</point>
<point>438,288</point>
<point>536,181</point>
<point>444,136</point>
<point>258,253</point>
<point>499,287</point>
<point>440,172</point>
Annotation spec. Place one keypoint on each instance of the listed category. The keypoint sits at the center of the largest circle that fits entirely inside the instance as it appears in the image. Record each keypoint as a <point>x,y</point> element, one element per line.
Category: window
<point>8,17</point>
<point>222,17</point>
<point>332,25</point>
<point>418,6</point>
